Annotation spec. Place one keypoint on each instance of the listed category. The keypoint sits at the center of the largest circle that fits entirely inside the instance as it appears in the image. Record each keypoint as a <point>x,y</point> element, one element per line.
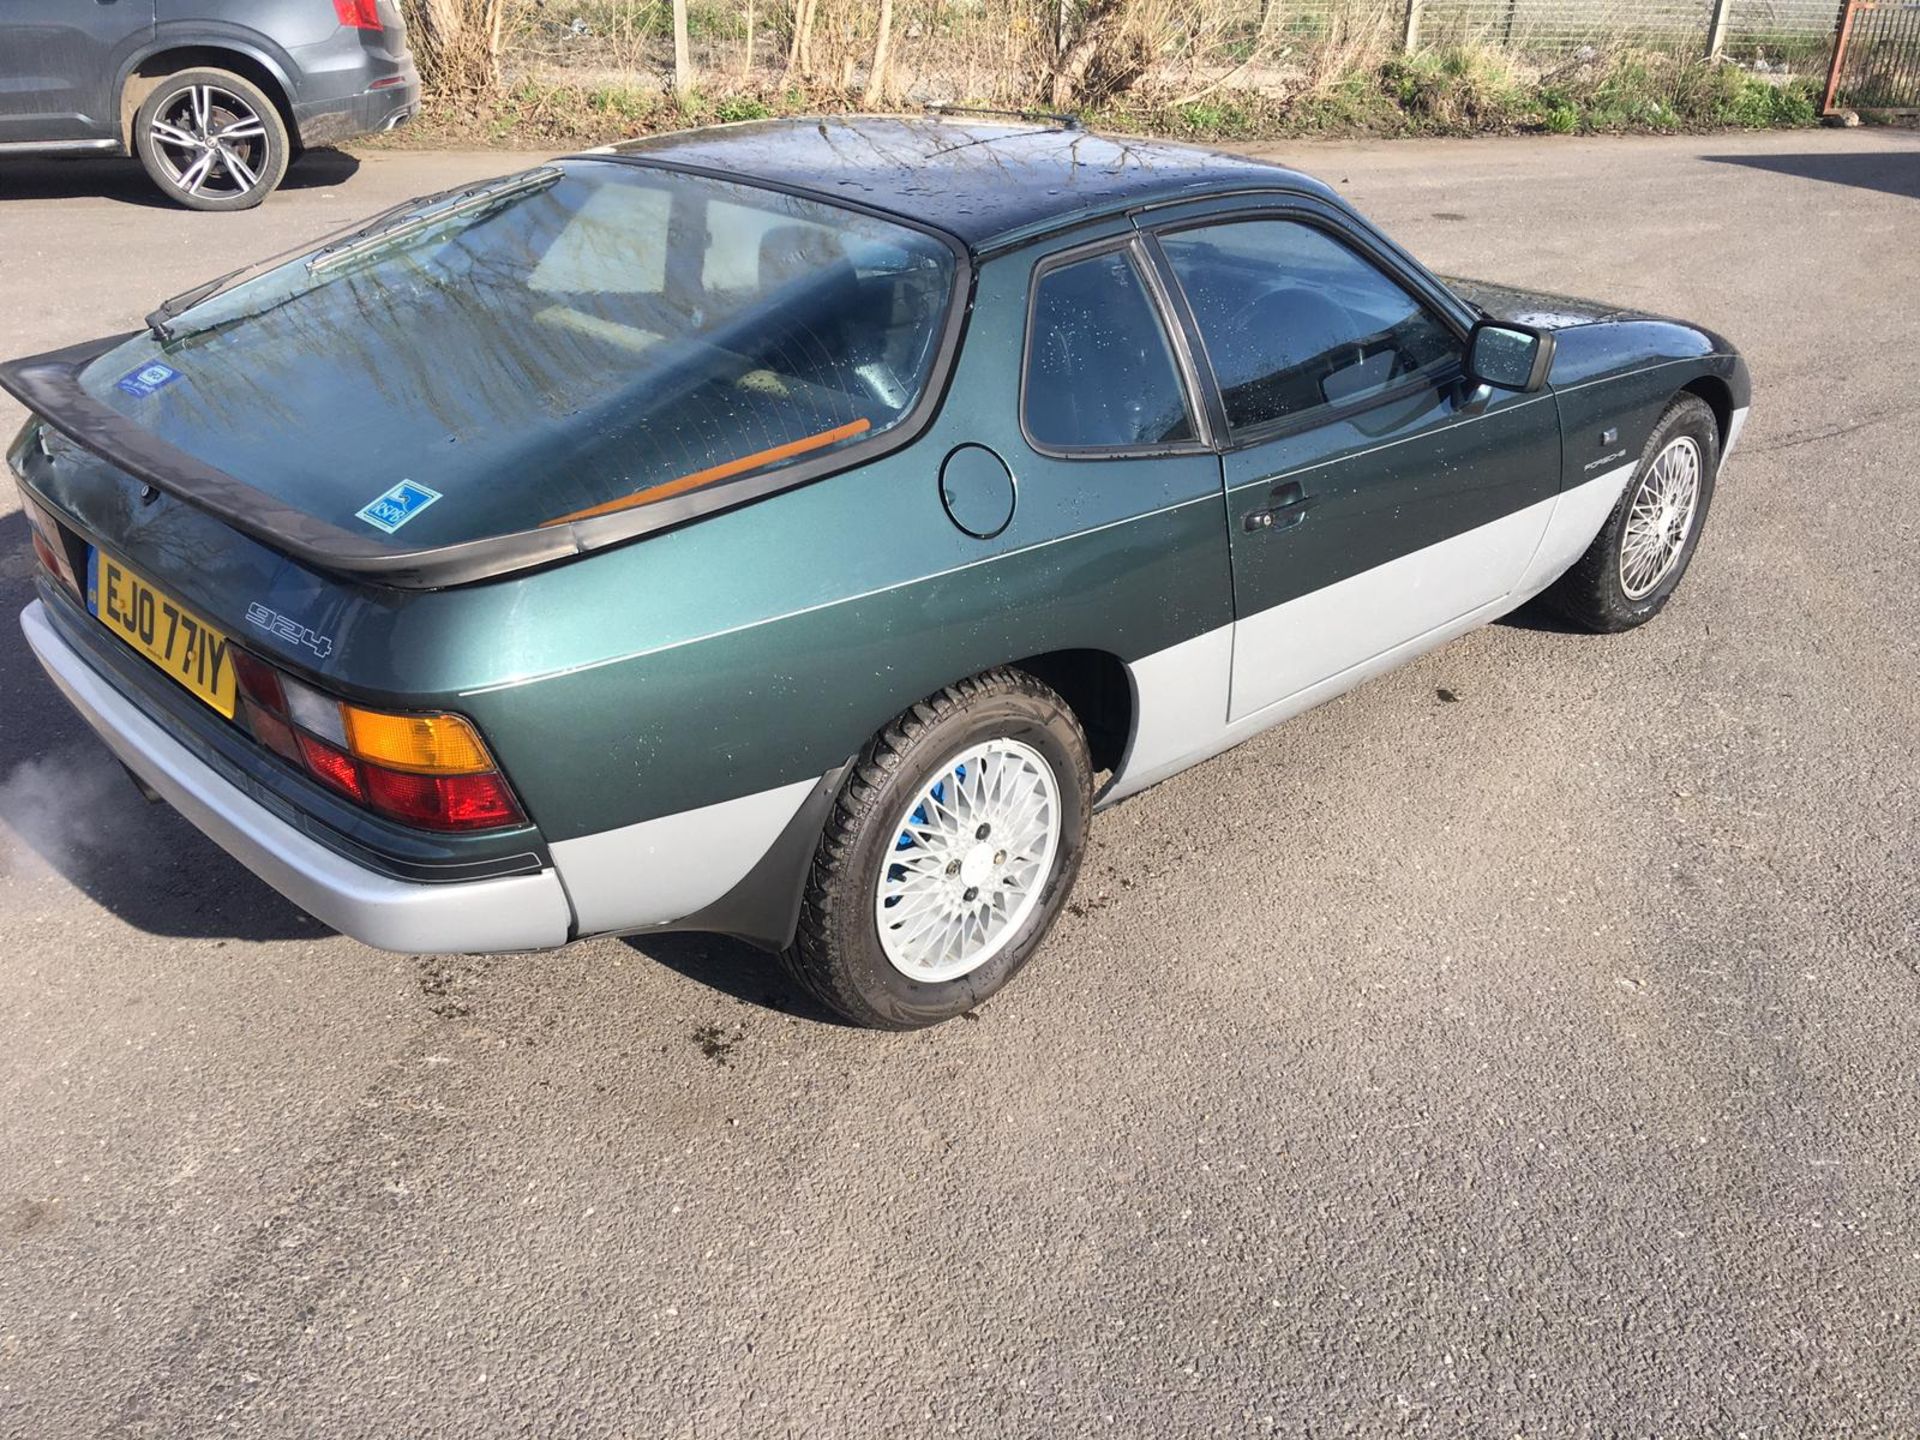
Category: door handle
<point>1290,507</point>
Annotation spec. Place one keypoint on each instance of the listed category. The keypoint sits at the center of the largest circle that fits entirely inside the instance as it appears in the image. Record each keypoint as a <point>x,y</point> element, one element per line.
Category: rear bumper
<point>517,912</point>
<point>325,122</point>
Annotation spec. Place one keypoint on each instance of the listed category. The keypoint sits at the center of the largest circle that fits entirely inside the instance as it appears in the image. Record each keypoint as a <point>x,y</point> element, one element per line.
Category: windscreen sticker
<point>147,379</point>
<point>397,506</point>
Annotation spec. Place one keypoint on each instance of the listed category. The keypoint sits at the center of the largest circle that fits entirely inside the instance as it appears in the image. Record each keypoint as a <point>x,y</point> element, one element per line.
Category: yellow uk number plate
<point>162,629</point>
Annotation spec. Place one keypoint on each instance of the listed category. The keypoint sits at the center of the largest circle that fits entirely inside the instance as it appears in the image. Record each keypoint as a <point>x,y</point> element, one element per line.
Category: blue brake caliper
<point>919,817</point>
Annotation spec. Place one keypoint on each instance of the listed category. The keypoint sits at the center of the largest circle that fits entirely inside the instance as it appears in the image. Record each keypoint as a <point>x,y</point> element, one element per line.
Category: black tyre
<point>212,140</point>
<point>948,854</point>
<point>1641,554</point>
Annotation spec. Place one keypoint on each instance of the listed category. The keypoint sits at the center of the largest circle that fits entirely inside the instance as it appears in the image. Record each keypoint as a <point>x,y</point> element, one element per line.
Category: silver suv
<point>216,97</point>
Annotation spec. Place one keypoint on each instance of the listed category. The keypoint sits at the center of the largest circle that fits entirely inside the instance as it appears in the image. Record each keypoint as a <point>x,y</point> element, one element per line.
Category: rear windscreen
<point>582,340</point>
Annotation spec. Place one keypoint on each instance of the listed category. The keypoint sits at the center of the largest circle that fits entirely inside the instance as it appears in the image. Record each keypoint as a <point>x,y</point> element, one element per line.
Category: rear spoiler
<point>49,386</point>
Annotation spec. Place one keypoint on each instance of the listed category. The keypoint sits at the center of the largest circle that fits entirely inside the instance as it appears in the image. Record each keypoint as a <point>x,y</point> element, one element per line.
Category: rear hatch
<point>522,371</point>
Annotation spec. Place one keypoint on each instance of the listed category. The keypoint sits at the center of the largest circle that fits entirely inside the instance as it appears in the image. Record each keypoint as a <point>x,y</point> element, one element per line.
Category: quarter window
<point>1295,322</point>
<point>1100,374</point>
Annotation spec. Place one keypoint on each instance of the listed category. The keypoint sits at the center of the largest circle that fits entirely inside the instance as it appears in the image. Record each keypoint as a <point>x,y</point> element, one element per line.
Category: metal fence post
<point>1717,28</point>
<point>1413,25</point>
<point>1843,35</point>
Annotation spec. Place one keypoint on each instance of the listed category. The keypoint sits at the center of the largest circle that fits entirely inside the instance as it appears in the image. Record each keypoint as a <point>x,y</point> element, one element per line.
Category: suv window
<point>1296,322</point>
<point>1100,374</point>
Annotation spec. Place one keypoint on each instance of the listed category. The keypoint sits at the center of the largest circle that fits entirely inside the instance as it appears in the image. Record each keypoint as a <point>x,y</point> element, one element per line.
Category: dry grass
<point>459,43</point>
<point>1006,52</point>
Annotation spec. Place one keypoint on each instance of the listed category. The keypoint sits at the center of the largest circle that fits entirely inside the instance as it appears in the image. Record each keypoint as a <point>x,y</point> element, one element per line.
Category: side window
<point>1295,321</point>
<point>1100,374</point>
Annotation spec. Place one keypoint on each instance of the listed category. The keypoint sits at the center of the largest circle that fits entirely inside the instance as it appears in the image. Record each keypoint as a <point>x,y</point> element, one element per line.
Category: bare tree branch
<point>876,91</point>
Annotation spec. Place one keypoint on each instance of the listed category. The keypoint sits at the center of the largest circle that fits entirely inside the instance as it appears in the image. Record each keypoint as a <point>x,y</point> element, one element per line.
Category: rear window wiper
<point>404,222</point>
<point>393,221</point>
<point>160,320</point>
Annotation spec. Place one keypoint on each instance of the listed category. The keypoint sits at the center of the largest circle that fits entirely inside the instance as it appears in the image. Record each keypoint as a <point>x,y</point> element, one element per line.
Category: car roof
<point>987,184</point>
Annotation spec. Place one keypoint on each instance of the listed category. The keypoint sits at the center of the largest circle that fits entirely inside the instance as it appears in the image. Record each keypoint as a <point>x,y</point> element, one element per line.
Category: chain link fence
<point>1774,34</point>
<point>1542,26</point>
<point>1763,32</point>
<point>1745,30</point>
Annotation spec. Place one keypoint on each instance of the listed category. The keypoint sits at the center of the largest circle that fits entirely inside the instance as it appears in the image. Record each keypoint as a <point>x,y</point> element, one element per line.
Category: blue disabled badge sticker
<point>397,506</point>
<point>147,379</point>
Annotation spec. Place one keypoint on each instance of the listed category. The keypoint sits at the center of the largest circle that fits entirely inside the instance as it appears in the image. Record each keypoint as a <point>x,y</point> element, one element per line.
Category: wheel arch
<point>1098,688</point>
<point>145,74</point>
<point>764,908</point>
<point>1718,396</point>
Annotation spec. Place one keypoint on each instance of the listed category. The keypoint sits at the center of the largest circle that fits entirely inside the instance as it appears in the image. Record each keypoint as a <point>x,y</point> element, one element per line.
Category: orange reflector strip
<point>670,488</point>
<point>423,744</point>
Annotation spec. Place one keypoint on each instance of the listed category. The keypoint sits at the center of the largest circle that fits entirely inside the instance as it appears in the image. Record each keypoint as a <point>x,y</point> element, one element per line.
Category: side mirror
<point>1510,357</point>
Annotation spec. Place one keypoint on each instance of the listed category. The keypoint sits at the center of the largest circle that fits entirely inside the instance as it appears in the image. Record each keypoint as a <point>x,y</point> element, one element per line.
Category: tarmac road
<point>1543,1061</point>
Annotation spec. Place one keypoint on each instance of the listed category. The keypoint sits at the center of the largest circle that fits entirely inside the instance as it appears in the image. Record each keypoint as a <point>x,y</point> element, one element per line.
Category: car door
<point>60,65</point>
<point>1373,495</point>
<point>1117,449</point>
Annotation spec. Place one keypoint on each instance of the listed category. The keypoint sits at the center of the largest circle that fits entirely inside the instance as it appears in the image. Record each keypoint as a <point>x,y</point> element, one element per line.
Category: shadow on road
<point>734,968</point>
<point>1537,615</point>
<point>121,178</point>
<point>1893,172</point>
<point>67,806</point>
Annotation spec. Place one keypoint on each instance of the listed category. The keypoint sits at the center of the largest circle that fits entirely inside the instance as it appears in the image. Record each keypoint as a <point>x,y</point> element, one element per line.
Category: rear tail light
<point>430,771</point>
<point>429,744</point>
<point>360,14</point>
<point>259,681</point>
<point>442,802</point>
<point>333,766</point>
<point>273,732</point>
<point>48,546</point>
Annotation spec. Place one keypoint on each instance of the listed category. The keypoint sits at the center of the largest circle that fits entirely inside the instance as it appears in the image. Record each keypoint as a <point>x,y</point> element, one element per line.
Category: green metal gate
<point>1876,57</point>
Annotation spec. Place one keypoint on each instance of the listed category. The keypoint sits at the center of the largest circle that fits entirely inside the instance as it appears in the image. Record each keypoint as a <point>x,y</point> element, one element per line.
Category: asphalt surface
<point>1540,1062</point>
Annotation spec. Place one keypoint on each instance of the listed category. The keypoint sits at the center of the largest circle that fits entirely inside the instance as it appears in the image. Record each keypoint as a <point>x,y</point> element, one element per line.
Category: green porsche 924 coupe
<point>796,530</point>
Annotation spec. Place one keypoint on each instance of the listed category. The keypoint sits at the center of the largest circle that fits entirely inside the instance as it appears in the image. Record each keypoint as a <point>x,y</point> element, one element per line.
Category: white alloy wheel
<point>973,854</point>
